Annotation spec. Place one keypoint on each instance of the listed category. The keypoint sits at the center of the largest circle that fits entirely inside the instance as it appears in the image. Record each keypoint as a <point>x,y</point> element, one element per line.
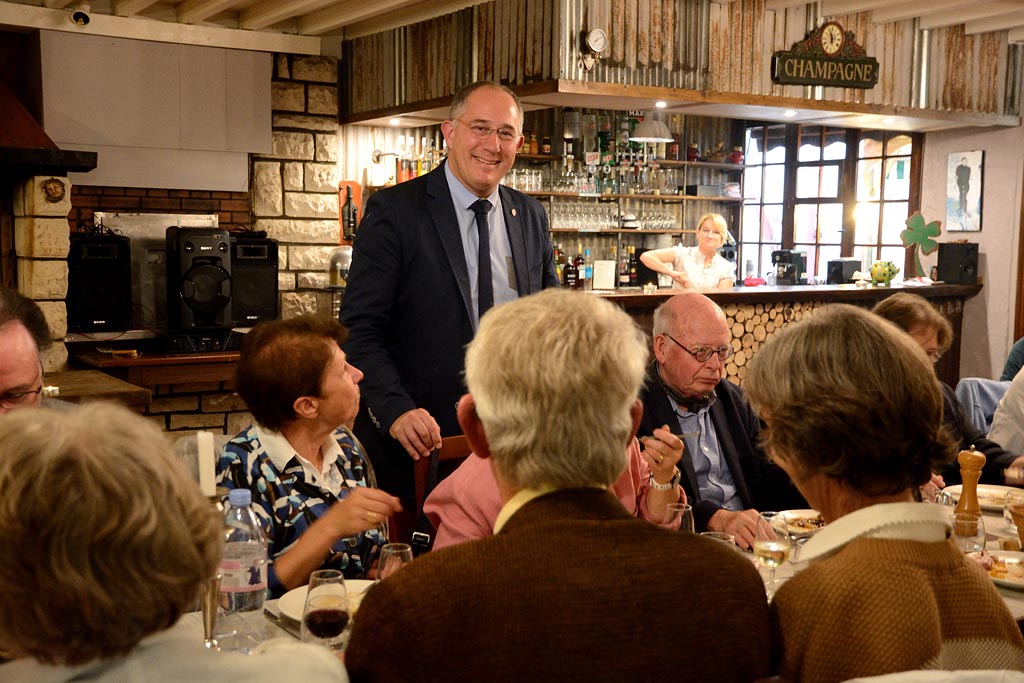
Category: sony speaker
<point>99,283</point>
<point>198,278</point>
<point>253,279</point>
<point>958,263</point>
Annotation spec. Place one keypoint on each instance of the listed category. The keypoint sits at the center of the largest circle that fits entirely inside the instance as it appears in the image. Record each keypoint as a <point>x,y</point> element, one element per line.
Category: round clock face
<point>832,38</point>
<point>597,40</point>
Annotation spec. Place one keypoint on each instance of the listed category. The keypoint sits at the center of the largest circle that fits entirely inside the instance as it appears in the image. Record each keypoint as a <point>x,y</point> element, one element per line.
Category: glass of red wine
<point>326,617</point>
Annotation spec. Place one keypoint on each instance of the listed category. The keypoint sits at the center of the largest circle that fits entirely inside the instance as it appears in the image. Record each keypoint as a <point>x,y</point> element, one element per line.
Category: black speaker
<point>253,279</point>
<point>840,271</point>
<point>198,278</point>
<point>99,283</point>
<point>958,263</point>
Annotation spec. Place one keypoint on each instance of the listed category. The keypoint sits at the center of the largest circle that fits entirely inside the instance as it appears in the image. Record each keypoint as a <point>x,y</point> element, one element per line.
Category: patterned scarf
<point>693,404</point>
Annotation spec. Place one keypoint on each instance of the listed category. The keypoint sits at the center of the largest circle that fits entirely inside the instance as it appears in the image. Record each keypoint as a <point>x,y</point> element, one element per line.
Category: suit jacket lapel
<point>442,211</point>
<point>516,240</point>
<point>727,449</point>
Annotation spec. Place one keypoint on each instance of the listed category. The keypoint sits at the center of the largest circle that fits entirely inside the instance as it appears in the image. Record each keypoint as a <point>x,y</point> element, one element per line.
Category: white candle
<point>207,472</point>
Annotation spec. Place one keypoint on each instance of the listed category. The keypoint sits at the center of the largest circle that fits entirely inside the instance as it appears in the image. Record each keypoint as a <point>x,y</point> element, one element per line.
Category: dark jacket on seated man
<point>759,483</point>
<point>966,434</point>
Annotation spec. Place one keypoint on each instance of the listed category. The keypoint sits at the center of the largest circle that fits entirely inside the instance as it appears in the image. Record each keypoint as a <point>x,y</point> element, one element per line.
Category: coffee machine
<point>790,265</point>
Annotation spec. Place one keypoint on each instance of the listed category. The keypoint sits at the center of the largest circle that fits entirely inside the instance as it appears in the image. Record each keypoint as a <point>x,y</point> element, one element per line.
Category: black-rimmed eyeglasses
<point>702,354</point>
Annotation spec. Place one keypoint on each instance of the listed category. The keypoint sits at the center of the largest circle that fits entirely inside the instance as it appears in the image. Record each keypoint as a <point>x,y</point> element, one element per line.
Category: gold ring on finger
<point>371,516</point>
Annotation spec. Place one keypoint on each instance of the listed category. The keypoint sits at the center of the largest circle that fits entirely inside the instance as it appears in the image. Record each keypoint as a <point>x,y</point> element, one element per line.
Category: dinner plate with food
<point>292,603</point>
<point>802,523</point>
<point>990,496</point>
<point>1004,567</point>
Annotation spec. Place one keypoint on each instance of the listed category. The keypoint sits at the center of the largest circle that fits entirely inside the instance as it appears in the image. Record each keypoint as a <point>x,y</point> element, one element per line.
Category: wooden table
<point>151,369</point>
<point>81,385</point>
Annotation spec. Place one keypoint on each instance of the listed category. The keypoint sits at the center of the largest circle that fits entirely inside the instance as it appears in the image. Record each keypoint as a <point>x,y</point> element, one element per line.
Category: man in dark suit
<point>571,587</point>
<point>725,474</point>
<point>419,280</point>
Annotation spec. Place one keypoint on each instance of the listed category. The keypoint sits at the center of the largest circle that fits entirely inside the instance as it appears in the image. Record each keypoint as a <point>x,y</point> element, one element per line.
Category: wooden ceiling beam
<point>344,13</point>
<point>831,8</point>
<point>271,12</point>
<point>195,11</point>
<point>971,12</point>
<point>129,8</point>
<point>999,22</point>
<point>910,10</point>
<point>409,14</point>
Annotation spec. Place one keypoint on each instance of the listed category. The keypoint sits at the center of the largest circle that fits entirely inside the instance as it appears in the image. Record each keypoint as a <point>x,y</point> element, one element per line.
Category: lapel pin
<point>513,212</point>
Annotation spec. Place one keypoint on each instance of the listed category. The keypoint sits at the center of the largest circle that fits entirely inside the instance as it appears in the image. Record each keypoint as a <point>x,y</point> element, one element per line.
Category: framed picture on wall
<point>964,181</point>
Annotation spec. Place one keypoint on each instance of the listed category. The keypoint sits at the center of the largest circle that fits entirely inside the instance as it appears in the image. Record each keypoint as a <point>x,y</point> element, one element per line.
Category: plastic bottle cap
<point>240,497</point>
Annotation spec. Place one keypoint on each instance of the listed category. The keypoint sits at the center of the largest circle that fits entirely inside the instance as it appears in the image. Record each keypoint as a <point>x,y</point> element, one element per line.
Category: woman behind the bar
<point>700,266</point>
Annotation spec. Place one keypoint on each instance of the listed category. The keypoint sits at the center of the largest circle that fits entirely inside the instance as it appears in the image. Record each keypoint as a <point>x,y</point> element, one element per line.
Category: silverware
<point>290,626</point>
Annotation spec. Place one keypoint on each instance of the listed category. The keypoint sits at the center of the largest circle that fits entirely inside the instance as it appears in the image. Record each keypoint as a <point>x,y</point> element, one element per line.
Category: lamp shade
<point>651,130</point>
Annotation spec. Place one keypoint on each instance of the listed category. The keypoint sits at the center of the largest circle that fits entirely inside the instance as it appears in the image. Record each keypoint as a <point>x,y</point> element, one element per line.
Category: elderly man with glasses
<point>24,333</point>
<point>725,474</point>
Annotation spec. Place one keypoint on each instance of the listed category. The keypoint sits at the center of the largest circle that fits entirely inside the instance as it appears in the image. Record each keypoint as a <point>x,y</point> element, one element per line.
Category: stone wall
<point>41,243</point>
<point>183,409</point>
<point>295,187</point>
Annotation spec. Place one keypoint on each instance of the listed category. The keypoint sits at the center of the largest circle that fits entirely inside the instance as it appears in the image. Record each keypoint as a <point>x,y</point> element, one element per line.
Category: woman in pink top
<point>465,504</point>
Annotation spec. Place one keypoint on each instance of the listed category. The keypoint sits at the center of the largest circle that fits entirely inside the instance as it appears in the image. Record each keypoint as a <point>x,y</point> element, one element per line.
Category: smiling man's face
<point>480,163</point>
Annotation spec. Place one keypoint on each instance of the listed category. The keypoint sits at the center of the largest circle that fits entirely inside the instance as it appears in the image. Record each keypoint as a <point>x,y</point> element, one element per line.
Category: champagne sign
<point>828,56</point>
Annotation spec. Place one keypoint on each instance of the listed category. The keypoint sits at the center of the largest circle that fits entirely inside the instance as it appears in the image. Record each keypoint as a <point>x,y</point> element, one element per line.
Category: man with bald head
<point>726,476</point>
<point>23,335</point>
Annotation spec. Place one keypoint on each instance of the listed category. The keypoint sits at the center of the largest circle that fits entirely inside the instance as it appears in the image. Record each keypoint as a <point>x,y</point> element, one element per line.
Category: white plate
<point>1010,557</point>
<point>795,515</point>
<point>293,602</point>
<point>990,496</point>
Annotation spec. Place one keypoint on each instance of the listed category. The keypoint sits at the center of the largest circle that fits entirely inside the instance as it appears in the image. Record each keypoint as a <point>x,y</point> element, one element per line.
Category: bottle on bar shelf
<point>634,268</point>
<point>571,274</point>
<point>624,268</point>
<point>588,270</point>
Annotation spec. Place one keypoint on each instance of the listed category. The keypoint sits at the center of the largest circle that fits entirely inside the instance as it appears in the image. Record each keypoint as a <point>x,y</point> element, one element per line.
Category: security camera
<point>80,15</point>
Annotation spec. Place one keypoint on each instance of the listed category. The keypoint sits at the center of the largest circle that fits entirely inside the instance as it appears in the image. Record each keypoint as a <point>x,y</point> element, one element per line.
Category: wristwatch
<point>669,486</point>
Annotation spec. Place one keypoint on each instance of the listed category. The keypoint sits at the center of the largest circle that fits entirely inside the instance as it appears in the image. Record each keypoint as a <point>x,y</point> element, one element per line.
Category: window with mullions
<point>843,192</point>
<point>883,195</point>
<point>763,185</point>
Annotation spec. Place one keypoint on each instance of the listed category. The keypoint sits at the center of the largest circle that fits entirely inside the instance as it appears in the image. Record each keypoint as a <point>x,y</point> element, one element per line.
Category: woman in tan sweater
<point>854,416</point>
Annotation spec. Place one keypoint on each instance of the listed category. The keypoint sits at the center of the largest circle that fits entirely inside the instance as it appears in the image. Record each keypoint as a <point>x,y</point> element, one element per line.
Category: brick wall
<point>232,208</point>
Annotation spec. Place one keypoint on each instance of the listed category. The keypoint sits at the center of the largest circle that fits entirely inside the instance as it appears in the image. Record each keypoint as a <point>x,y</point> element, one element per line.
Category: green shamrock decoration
<point>918,239</point>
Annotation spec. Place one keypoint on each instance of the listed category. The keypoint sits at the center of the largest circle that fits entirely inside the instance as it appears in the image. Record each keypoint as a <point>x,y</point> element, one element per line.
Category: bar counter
<point>755,313</point>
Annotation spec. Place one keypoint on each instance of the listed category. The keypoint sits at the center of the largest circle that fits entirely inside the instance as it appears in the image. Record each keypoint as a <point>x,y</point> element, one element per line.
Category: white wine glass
<point>679,516</point>
<point>969,531</point>
<point>325,617</point>
<point>772,546</point>
<point>393,556</point>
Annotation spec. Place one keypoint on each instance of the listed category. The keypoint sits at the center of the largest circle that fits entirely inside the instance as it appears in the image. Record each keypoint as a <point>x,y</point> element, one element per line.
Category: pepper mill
<point>971,463</point>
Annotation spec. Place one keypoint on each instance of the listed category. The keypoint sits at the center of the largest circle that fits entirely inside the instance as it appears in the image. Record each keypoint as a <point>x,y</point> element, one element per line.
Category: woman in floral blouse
<point>311,483</point>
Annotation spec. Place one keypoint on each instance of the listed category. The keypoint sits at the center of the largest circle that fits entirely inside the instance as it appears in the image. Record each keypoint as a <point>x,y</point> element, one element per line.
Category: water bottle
<point>243,584</point>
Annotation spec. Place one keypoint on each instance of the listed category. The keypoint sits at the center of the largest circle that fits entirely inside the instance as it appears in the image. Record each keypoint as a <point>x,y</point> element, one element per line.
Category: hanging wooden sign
<point>828,56</point>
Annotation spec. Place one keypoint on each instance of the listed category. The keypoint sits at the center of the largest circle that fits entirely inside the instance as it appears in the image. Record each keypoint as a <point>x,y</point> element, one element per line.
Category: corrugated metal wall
<point>688,44</point>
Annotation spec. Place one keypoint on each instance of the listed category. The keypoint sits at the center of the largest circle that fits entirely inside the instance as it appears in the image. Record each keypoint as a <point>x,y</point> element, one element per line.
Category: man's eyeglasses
<point>702,354</point>
<point>21,398</point>
<point>484,132</point>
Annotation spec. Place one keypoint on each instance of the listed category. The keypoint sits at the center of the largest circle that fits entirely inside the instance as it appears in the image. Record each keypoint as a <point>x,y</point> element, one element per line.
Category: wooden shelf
<point>670,198</point>
<point>624,231</point>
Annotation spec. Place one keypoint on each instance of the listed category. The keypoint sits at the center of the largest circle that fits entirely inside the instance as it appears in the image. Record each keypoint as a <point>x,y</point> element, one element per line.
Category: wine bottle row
<point>616,268</point>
